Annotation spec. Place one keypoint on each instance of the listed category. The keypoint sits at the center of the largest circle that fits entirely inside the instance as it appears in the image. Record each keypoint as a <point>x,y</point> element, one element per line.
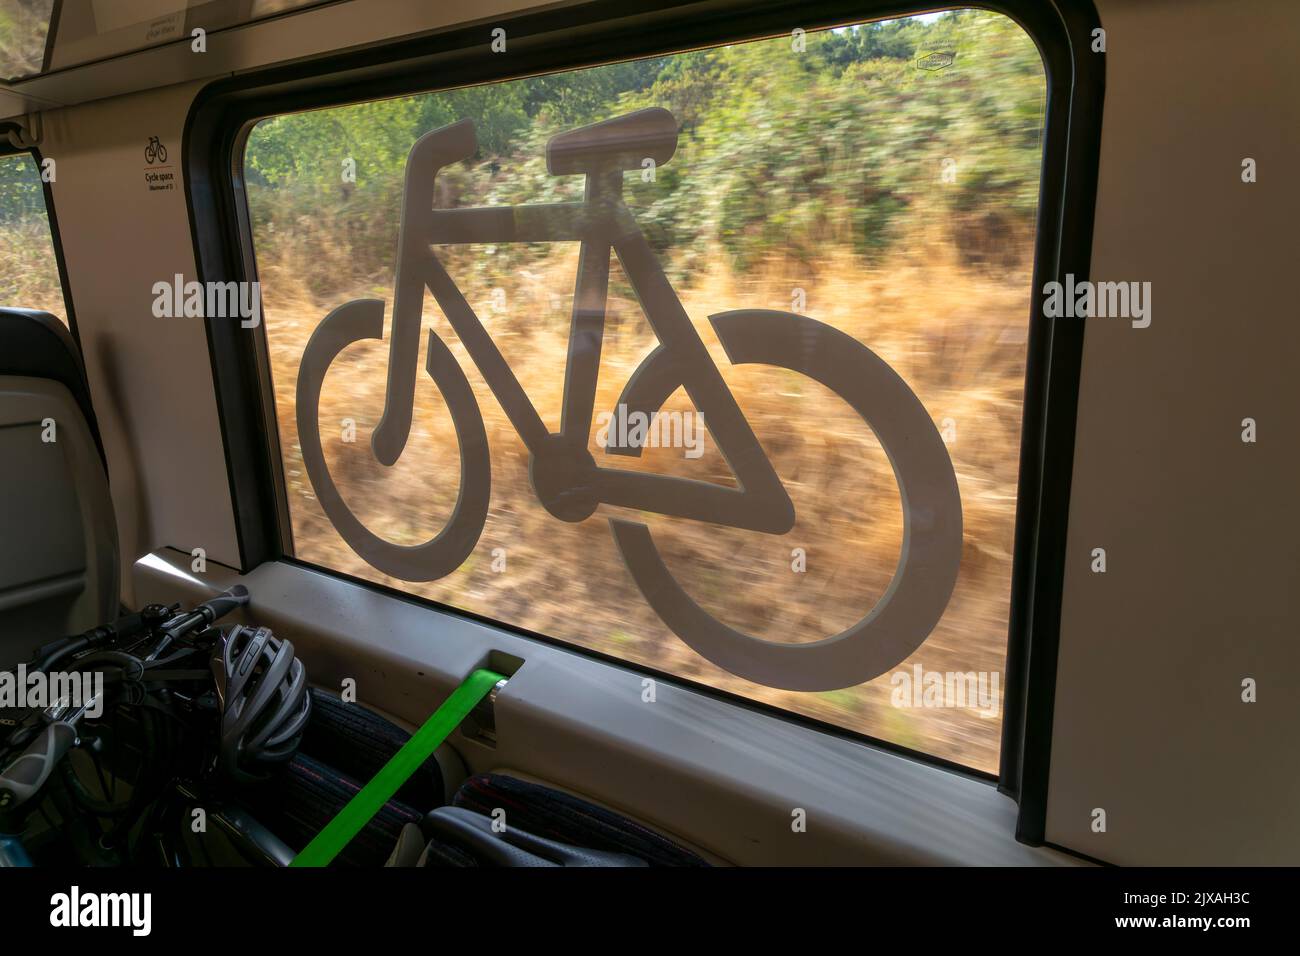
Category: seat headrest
<point>37,345</point>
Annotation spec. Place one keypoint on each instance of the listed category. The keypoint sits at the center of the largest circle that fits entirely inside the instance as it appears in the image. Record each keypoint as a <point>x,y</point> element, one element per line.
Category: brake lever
<point>203,616</point>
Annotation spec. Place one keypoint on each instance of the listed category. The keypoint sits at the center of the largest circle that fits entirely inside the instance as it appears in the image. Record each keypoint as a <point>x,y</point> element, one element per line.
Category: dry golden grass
<point>956,336</point>
<point>29,273</point>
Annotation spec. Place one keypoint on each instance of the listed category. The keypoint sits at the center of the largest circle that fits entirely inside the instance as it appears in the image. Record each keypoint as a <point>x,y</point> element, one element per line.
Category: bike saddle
<point>619,143</point>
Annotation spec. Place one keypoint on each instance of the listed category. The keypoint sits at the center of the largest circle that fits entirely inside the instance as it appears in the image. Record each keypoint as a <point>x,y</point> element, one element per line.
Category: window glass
<point>24,25</point>
<point>818,295</point>
<point>29,270</point>
<point>88,30</point>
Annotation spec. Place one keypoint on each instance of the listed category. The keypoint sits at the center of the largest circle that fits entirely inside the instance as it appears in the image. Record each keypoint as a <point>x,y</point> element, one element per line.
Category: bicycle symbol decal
<point>565,476</point>
<point>155,152</point>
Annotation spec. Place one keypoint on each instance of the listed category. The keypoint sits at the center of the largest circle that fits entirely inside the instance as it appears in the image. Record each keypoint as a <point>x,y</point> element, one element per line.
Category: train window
<point>29,269</point>
<point>89,30</point>
<point>23,31</point>
<point>711,362</point>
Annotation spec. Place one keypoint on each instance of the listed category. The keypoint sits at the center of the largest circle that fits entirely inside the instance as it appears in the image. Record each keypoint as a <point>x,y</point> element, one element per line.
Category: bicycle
<point>564,474</point>
<point>155,151</point>
<point>146,737</point>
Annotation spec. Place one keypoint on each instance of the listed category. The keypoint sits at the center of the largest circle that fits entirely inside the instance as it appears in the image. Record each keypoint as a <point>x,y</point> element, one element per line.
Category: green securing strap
<point>349,821</point>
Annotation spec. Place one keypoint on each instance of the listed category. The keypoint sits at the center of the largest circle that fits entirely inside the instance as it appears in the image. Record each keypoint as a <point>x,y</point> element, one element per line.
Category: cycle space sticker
<point>159,174</point>
<point>568,482</point>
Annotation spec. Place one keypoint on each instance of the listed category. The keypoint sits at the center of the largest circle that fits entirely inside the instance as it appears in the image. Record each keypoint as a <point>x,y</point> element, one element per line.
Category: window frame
<point>7,149</point>
<point>606,31</point>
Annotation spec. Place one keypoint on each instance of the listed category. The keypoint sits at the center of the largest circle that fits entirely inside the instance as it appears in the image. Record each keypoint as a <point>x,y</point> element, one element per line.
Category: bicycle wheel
<point>150,154</point>
<point>932,520</point>
<point>354,322</point>
<point>162,153</point>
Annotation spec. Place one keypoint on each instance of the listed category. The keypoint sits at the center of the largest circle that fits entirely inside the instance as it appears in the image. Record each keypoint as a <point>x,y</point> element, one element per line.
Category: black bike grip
<point>127,625</point>
<point>223,604</point>
<point>23,778</point>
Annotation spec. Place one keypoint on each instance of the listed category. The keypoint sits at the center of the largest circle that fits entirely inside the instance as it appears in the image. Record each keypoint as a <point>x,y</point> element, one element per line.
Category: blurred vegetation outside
<point>846,182</point>
<point>29,271</point>
<point>898,202</point>
<point>24,25</point>
<point>780,152</point>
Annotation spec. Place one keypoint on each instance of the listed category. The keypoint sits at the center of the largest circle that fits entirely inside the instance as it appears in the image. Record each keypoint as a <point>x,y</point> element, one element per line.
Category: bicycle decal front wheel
<point>932,519</point>
<point>354,322</point>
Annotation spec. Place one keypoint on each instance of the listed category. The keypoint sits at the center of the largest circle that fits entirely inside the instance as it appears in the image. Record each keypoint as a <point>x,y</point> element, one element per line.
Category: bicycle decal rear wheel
<point>932,520</point>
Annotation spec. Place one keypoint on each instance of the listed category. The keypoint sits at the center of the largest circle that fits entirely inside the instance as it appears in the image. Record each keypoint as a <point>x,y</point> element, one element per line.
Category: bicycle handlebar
<point>129,625</point>
<point>199,618</point>
<point>224,603</point>
<point>27,773</point>
<point>125,626</point>
<point>25,776</point>
<point>207,612</point>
